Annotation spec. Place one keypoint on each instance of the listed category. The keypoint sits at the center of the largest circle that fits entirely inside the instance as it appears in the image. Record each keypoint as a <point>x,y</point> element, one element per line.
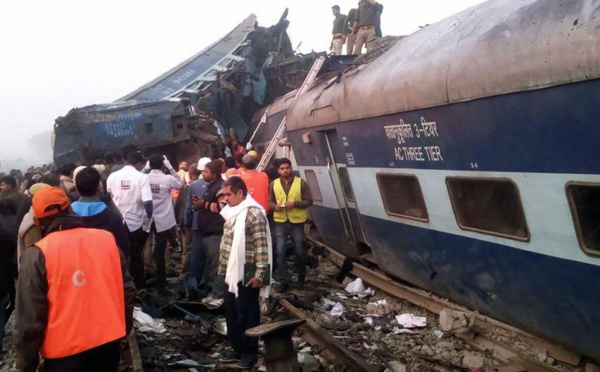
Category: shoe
<point>214,304</point>
<point>207,299</point>
<point>230,357</point>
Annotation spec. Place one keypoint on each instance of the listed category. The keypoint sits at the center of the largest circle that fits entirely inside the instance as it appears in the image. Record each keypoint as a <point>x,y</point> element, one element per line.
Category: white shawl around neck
<point>237,256</point>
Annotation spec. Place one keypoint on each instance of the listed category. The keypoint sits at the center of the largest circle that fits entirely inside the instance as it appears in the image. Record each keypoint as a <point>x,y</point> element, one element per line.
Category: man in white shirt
<point>163,213</point>
<point>131,194</point>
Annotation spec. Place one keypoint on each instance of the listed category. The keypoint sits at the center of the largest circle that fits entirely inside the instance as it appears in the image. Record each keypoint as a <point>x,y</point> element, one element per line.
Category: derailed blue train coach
<point>465,161</point>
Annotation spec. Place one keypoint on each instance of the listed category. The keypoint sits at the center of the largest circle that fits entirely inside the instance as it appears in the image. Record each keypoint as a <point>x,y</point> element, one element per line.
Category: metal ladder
<point>308,82</point>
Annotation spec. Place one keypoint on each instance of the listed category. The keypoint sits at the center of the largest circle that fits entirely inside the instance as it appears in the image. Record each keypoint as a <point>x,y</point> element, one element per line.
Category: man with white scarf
<point>246,260</point>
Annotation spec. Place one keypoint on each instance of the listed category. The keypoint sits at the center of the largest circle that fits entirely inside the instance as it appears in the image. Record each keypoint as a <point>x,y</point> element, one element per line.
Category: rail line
<point>505,354</point>
<point>334,350</point>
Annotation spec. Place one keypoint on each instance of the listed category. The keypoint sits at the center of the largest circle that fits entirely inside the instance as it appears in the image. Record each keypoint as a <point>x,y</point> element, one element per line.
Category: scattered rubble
<point>385,331</point>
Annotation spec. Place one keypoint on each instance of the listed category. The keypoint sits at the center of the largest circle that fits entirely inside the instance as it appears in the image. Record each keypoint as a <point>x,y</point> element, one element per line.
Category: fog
<point>57,55</point>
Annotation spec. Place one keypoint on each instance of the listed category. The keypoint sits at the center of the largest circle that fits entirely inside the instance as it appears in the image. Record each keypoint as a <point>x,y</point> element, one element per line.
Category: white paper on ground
<point>355,287</point>
<point>146,323</point>
<point>411,320</point>
<point>328,302</point>
<point>338,309</point>
<point>398,331</point>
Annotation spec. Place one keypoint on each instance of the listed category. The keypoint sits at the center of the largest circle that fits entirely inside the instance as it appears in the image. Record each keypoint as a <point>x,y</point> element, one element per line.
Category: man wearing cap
<point>163,213</point>
<point>131,194</point>
<point>74,294</point>
<point>29,232</point>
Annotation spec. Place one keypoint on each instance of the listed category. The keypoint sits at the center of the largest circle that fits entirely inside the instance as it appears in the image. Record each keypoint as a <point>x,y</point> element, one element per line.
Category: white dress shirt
<point>129,189</point>
<point>161,185</point>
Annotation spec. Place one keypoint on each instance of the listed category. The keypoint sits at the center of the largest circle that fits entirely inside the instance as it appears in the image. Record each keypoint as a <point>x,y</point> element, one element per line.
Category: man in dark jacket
<point>7,253</point>
<point>74,293</point>
<point>95,213</point>
<point>210,225</point>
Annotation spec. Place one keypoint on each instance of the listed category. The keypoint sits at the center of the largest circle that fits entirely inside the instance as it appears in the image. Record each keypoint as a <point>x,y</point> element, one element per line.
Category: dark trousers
<point>137,240</point>
<point>160,245</point>
<point>104,358</point>
<point>3,318</point>
<point>296,230</point>
<point>243,313</point>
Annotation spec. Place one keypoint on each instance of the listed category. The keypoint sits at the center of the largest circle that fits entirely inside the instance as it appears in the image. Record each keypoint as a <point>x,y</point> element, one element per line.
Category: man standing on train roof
<point>364,26</point>
<point>289,197</point>
<point>350,35</point>
<point>163,213</point>
<point>339,30</point>
<point>74,294</point>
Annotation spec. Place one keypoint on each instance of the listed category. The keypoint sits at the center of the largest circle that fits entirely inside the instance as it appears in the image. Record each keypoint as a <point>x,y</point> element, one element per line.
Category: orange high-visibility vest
<point>85,291</point>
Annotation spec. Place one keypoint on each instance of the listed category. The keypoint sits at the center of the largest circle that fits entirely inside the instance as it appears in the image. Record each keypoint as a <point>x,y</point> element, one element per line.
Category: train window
<point>584,200</point>
<point>488,206</point>
<point>402,196</point>
<point>311,179</point>
<point>345,179</point>
<point>148,128</point>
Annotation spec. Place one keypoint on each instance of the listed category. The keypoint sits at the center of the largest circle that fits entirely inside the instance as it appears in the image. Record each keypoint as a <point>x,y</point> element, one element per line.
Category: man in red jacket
<point>74,294</point>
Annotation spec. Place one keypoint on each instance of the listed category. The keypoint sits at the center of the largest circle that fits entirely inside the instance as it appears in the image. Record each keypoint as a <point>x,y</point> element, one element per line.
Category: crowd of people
<point>361,27</point>
<point>79,242</point>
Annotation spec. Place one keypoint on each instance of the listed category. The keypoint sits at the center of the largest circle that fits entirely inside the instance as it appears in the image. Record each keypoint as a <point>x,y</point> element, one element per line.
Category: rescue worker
<point>289,197</point>
<point>364,26</point>
<point>163,213</point>
<point>339,30</point>
<point>350,35</point>
<point>245,260</point>
<point>131,194</point>
<point>74,294</point>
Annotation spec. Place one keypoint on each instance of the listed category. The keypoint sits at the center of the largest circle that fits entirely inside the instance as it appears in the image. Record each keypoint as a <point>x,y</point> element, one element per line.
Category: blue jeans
<point>296,230</point>
<point>198,257</point>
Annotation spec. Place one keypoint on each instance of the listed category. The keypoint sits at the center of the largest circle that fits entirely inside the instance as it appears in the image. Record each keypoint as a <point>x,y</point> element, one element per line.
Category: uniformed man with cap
<point>74,294</point>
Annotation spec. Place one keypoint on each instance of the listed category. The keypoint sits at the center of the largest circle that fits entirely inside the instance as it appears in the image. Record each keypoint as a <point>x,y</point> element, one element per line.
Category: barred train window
<point>402,196</point>
<point>345,179</point>
<point>311,179</point>
<point>584,200</point>
<point>488,206</point>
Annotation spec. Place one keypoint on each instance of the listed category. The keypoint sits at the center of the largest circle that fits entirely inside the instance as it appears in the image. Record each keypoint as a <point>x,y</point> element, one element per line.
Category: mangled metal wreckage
<point>187,111</point>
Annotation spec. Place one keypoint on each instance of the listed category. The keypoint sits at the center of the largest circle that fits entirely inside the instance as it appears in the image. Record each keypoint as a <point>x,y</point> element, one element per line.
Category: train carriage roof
<point>495,48</point>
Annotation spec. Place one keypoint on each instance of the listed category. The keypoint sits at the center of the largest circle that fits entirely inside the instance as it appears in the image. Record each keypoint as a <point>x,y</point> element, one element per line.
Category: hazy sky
<point>60,54</point>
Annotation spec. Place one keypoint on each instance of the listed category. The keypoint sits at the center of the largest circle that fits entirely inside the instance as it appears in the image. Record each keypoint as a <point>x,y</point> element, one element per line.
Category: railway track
<point>509,357</point>
<point>339,352</point>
